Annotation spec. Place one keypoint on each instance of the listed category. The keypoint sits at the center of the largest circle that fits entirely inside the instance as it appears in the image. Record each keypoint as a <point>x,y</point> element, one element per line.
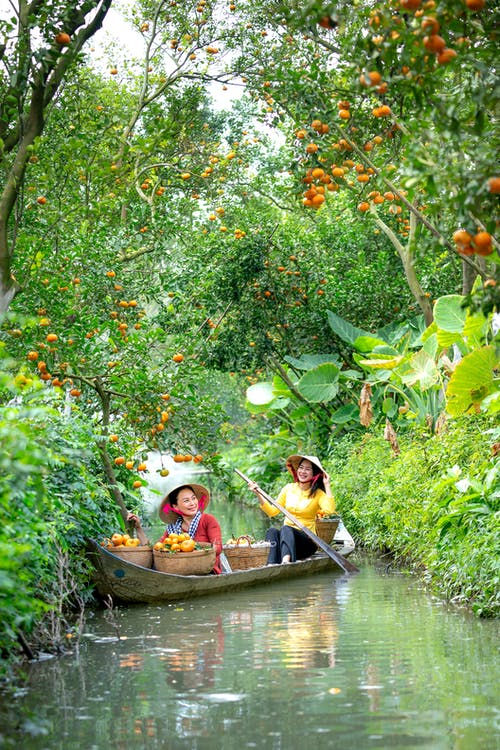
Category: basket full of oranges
<point>129,549</point>
<point>181,555</point>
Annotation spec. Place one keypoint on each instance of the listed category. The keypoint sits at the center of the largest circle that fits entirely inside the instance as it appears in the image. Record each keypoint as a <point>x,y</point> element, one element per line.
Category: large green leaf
<point>368,343</point>
<point>475,329</point>
<point>382,363</point>
<point>260,394</point>
<point>449,315</point>
<point>344,330</point>
<point>320,384</point>
<point>472,381</point>
<point>346,413</point>
<point>308,361</point>
<point>423,371</point>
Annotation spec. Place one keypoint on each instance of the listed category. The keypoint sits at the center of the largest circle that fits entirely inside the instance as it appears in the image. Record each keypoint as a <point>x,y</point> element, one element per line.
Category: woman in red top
<point>183,510</point>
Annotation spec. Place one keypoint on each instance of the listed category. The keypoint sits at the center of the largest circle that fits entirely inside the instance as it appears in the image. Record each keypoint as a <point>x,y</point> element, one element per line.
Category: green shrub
<point>434,506</point>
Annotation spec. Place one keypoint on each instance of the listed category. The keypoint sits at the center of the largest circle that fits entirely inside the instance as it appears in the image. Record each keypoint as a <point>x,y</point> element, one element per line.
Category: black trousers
<point>289,541</point>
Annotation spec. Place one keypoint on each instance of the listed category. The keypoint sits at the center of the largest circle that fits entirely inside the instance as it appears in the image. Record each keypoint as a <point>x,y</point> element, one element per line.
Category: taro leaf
<point>475,329</point>
<point>279,403</point>
<point>382,363</point>
<point>320,384</point>
<point>368,343</point>
<point>350,375</point>
<point>430,346</point>
<point>260,394</point>
<point>446,338</point>
<point>344,330</point>
<point>389,407</point>
<point>386,349</point>
<point>471,381</point>
<point>347,413</point>
<point>423,371</point>
<point>449,314</point>
<point>308,361</point>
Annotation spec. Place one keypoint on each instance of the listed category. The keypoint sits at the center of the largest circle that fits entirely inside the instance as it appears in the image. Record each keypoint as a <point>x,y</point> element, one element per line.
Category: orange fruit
<point>117,539</point>
<point>178,357</point>
<point>32,356</point>
<point>494,185</point>
<point>175,546</point>
<point>446,56</point>
<point>142,467</point>
<point>188,545</point>
<point>363,206</point>
<point>137,484</point>
<point>434,43</point>
<point>119,461</point>
<point>129,464</point>
<point>482,242</point>
<point>158,546</point>
<point>475,4</point>
<point>178,458</point>
<point>113,438</point>
<point>62,39</point>
<point>461,237</point>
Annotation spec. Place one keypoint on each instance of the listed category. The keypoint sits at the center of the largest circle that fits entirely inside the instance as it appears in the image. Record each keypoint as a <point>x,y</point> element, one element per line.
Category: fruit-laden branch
<point>46,81</point>
<point>402,197</point>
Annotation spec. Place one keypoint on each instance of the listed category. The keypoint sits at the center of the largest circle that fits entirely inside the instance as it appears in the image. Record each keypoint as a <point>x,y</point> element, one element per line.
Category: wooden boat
<point>126,582</point>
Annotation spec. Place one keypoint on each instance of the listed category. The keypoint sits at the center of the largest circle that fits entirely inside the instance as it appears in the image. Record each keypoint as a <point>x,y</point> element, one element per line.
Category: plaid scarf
<point>176,528</point>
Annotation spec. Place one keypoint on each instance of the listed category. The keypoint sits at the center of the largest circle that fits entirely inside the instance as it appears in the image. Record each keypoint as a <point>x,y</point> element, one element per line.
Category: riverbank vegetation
<point>268,227</point>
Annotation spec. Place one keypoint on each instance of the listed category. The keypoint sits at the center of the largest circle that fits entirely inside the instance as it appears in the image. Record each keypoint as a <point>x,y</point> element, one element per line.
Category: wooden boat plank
<point>128,582</point>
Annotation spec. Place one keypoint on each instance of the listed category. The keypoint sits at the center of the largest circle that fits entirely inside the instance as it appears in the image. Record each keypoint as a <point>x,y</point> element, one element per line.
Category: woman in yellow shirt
<point>304,497</point>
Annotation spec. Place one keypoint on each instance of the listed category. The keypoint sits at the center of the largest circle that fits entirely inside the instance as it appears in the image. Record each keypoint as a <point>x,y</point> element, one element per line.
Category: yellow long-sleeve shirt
<point>303,507</point>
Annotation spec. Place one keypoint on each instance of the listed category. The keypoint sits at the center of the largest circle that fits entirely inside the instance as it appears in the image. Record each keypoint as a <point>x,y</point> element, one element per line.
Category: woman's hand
<point>133,518</point>
<point>253,487</point>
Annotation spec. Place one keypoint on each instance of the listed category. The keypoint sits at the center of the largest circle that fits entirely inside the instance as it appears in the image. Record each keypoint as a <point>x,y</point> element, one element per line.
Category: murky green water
<point>368,661</point>
<point>361,662</point>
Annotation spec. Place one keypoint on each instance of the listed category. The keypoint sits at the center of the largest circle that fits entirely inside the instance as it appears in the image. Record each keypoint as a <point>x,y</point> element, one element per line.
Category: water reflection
<point>369,661</point>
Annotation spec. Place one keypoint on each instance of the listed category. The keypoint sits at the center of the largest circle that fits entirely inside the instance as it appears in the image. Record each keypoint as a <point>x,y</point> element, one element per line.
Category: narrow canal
<point>366,661</point>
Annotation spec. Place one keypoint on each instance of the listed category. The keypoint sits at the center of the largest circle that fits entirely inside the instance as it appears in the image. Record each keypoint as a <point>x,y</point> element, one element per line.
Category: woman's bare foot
<point>286,559</point>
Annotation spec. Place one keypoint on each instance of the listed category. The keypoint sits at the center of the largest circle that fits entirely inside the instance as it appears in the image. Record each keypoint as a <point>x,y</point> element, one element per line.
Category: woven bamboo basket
<point>326,528</point>
<point>142,555</point>
<point>242,556</point>
<point>196,563</point>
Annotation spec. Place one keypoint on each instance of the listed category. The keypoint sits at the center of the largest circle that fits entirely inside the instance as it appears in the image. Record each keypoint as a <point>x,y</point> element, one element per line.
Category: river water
<point>331,661</point>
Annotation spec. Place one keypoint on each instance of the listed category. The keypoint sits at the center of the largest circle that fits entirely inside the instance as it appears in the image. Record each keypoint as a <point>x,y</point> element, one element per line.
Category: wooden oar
<point>346,565</point>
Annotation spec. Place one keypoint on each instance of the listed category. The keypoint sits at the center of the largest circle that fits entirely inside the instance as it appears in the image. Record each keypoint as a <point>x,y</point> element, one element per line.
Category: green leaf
<point>368,343</point>
<point>320,384</point>
<point>347,413</point>
<point>377,363</point>
<point>472,381</point>
<point>449,315</point>
<point>423,371</point>
<point>260,393</point>
<point>308,361</point>
<point>344,330</point>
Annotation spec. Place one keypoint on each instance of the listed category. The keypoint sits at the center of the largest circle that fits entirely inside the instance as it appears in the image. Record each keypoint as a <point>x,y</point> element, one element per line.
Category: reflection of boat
<point>128,582</point>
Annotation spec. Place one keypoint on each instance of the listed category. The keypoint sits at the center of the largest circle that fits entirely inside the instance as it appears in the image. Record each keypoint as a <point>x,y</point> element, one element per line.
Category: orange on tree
<point>119,461</point>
